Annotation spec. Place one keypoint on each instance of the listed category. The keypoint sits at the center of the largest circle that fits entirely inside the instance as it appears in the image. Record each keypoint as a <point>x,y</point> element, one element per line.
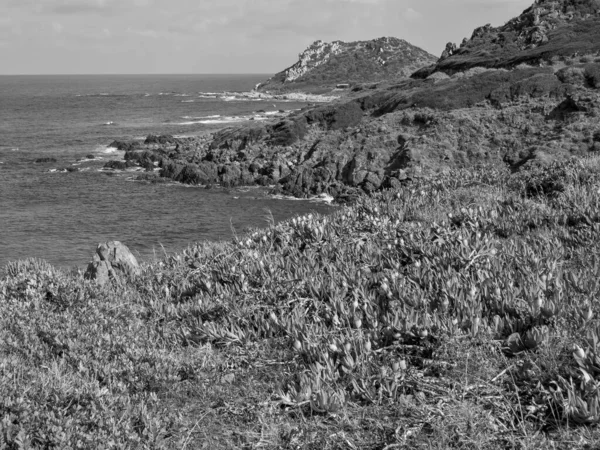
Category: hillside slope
<point>324,65</point>
<point>545,32</point>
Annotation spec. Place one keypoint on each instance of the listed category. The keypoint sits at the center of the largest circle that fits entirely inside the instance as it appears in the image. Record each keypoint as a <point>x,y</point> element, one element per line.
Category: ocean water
<point>58,215</point>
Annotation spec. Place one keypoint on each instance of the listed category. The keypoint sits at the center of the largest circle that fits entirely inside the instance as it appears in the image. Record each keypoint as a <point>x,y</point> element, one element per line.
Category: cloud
<point>144,33</point>
<point>412,14</point>
<point>75,7</point>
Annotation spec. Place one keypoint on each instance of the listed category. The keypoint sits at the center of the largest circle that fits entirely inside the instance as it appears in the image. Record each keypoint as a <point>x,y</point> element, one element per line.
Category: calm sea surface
<point>60,216</point>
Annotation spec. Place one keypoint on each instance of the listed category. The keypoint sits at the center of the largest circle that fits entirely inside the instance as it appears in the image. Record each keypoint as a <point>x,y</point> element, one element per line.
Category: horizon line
<point>137,74</point>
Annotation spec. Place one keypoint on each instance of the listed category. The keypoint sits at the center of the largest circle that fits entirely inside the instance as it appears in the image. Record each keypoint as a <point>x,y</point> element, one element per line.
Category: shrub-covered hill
<point>457,311</point>
<point>547,31</point>
<point>324,65</point>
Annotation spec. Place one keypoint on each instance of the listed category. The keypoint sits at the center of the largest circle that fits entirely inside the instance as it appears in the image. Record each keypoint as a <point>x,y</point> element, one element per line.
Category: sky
<point>219,36</point>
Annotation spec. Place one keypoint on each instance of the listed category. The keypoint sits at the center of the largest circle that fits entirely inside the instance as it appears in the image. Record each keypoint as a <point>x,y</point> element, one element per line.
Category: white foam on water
<point>188,101</point>
<point>286,197</point>
<point>110,150</point>
<point>216,116</point>
<point>322,198</point>
<point>96,158</point>
<point>214,121</point>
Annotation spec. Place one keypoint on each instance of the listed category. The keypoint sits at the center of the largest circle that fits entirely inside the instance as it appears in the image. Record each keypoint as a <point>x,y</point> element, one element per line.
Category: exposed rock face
<point>125,145</point>
<point>325,65</point>
<point>547,30</point>
<point>112,262</point>
<point>315,55</point>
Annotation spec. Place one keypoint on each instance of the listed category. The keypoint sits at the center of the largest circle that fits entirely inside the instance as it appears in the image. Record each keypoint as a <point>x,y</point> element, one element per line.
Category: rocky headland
<point>323,66</point>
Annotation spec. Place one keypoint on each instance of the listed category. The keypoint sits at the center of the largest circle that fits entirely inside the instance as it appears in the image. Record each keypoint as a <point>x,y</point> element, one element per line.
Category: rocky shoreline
<point>522,95</point>
<point>520,117</point>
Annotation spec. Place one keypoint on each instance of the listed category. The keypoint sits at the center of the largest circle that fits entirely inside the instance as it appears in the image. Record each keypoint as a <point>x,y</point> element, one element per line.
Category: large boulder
<point>163,139</point>
<point>113,261</point>
<point>125,145</point>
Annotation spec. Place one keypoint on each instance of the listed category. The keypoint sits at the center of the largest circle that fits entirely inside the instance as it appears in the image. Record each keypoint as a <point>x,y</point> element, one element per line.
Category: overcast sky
<point>219,36</point>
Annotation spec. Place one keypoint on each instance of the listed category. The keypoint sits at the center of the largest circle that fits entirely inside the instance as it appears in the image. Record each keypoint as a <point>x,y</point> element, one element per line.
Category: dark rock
<point>119,165</point>
<point>336,117</point>
<point>90,156</point>
<point>567,107</point>
<point>287,132</point>
<point>163,139</point>
<point>203,173</point>
<point>126,145</point>
<point>112,262</point>
<point>449,51</point>
<point>237,138</point>
<point>170,169</point>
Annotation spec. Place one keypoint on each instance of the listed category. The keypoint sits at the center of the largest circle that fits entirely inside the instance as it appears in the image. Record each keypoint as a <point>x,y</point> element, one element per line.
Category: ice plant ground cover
<point>460,311</point>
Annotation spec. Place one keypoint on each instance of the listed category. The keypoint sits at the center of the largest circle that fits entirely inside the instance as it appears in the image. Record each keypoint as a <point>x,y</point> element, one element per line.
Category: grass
<point>456,312</point>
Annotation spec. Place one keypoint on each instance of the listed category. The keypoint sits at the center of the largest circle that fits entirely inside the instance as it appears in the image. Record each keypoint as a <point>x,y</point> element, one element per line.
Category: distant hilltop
<point>544,32</point>
<point>326,65</point>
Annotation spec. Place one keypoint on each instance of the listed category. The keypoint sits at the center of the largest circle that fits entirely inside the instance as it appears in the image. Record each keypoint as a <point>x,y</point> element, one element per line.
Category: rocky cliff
<point>548,31</point>
<point>325,65</point>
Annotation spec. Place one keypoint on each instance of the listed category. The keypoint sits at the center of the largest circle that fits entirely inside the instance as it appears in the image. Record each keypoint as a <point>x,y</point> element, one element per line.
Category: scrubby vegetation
<point>458,311</point>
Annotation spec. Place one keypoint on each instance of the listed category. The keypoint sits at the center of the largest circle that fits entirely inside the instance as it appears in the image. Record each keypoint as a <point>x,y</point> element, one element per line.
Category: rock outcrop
<point>112,262</point>
<point>325,65</point>
<point>548,31</point>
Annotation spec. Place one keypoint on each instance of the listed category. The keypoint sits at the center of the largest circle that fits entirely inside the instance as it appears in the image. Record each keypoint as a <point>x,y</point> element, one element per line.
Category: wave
<point>215,116</point>
<point>104,94</point>
<point>214,120</point>
<point>188,101</point>
<point>87,159</point>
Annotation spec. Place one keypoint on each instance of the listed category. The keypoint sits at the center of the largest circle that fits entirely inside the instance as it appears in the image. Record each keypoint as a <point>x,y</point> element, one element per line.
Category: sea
<point>60,210</point>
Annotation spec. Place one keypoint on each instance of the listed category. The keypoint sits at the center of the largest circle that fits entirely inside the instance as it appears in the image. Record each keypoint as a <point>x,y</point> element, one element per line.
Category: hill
<point>544,33</point>
<point>324,65</point>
